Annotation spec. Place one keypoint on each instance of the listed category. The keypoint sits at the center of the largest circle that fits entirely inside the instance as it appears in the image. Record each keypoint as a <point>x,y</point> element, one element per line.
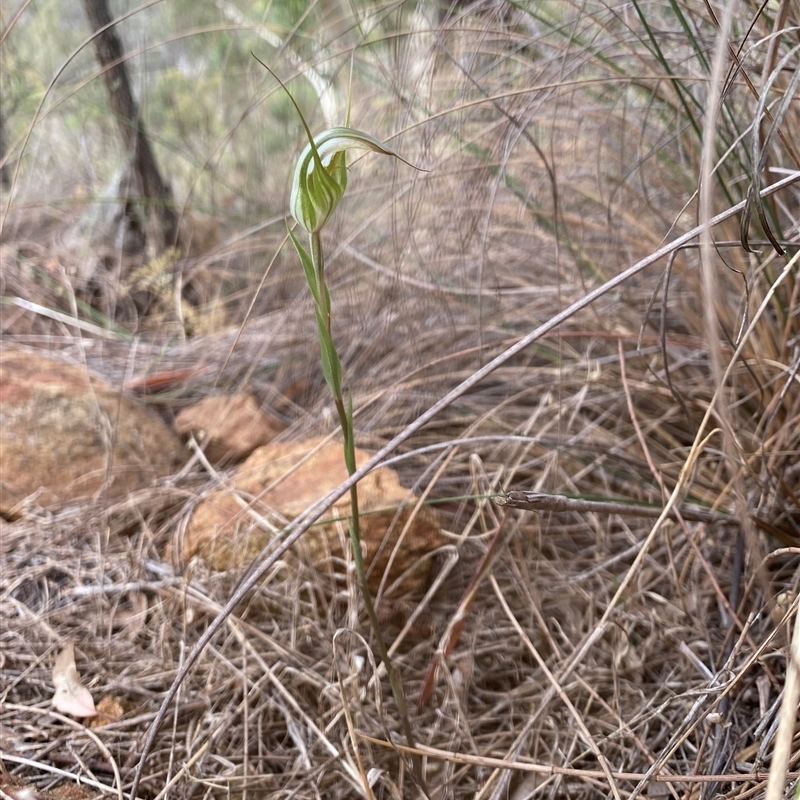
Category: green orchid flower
<point>320,177</point>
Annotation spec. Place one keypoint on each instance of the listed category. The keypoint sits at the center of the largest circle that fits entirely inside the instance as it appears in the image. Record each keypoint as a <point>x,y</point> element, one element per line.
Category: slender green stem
<point>345,413</point>
<point>318,260</point>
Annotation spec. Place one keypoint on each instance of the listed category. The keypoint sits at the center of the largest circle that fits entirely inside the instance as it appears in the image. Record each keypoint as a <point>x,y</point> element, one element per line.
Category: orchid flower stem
<point>345,413</point>
<point>318,259</point>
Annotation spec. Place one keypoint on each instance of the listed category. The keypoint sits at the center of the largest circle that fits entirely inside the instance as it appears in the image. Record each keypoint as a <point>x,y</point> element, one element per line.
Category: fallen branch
<point>538,501</point>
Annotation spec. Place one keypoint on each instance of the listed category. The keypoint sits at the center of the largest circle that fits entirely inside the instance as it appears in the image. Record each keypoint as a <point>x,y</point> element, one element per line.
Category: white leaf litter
<point>71,696</point>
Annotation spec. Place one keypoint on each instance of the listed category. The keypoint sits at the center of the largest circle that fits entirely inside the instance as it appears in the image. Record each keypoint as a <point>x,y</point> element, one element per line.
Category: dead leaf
<point>109,709</point>
<point>161,381</point>
<point>71,696</point>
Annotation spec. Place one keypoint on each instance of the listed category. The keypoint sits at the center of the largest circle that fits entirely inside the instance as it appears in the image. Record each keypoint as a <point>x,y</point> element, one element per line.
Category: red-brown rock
<point>228,428</point>
<point>283,479</point>
<point>66,434</point>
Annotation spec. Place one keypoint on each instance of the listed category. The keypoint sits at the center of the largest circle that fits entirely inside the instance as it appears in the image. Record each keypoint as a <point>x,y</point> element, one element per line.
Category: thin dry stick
<point>641,437</point>
<point>587,736</point>
<point>727,518</point>
<point>185,770</point>
<point>689,725</point>
<point>549,769</point>
<point>501,788</point>
<point>700,709</point>
<point>541,501</point>
<point>80,729</point>
<point>365,786</point>
<point>783,741</point>
<point>250,307</point>
<point>67,776</point>
<point>306,520</point>
<point>635,420</point>
<point>398,547</point>
<point>452,634</point>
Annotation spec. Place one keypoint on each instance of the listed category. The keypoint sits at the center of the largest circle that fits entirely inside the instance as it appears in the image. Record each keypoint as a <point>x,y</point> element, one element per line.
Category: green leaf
<point>349,436</point>
<point>331,365</point>
<point>308,268</point>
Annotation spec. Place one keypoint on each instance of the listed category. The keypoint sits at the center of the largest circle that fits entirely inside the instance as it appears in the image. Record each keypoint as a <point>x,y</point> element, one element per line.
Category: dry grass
<point>601,650</point>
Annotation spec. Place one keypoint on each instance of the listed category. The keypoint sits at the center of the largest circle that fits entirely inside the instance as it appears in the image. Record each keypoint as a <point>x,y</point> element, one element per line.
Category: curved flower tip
<point>320,177</point>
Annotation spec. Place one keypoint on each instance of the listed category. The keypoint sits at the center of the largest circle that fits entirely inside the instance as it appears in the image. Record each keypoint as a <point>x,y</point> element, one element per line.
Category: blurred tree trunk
<point>155,191</point>
<point>5,180</point>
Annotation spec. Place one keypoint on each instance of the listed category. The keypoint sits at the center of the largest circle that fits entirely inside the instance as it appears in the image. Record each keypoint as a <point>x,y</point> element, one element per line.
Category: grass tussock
<point>604,654</point>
